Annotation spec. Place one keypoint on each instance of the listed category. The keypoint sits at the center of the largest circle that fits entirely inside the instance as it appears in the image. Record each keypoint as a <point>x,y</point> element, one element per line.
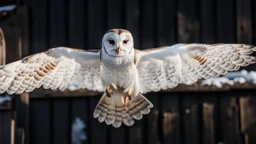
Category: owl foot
<point>128,95</point>
<point>109,91</point>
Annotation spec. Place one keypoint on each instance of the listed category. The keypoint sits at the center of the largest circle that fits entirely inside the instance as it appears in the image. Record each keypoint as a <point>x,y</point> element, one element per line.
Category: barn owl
<point>122,72</point>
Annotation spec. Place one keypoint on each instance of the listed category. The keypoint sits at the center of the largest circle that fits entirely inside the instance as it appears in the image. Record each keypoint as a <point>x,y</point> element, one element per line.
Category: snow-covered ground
<point>231,78</point>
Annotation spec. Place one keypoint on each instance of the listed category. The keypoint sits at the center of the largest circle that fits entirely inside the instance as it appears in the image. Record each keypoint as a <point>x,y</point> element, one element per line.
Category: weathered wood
<point>97,131</point>
<point>153,119</point>
<point>170,118</point>
<point>22,114</point>
<point>60,122</point>
<point>244,21</point>
<point>208,21</point>
<point>5,131</point>
<point>132,20</point>
<point>135,135</point>
<point>115,14</point>
<point>166,22</point>
<point>80,109</point>
<point>2,47</point>
<point>225,21</point>
<point>248,117</point>
<point>148,29</point>
<point>77,23</point>
<point>190,119</point>
<point>96,23</point>
<point>20,136</point>
<point>118,135</point>
<point>209,104</point>
<point>229,118</point>
<point>39,26</point>
<point>40,118</point>
<point>188,21</point>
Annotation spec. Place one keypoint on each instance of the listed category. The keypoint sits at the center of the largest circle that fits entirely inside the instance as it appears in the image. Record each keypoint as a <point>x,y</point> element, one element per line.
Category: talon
<point>109,91</point>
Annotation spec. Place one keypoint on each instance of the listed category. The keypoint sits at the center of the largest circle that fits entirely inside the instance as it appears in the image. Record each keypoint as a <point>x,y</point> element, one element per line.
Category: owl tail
<point>113,111</point>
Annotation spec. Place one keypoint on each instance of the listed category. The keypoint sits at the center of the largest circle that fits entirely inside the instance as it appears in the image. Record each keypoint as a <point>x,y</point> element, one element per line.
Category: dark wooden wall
<point>208,117</point>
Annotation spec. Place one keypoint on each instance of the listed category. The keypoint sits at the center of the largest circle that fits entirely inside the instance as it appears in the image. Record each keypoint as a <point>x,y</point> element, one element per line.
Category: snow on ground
<point>78,134</point>
<point>4,99</point>
<point>231,78</point>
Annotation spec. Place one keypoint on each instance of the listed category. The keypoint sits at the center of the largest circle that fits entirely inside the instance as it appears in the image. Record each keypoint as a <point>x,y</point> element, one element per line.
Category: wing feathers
<point>188,63</point>
<point>54,69</point>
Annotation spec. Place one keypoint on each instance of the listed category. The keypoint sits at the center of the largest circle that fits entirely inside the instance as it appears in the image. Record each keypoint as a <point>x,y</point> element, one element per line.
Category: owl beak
<point>118,50</point>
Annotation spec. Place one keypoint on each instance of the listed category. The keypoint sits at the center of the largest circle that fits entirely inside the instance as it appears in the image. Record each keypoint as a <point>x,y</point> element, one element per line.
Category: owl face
<point>117,42</point>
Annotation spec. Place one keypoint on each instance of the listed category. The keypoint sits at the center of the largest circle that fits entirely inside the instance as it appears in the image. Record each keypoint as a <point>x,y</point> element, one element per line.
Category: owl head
<point>117,42</point>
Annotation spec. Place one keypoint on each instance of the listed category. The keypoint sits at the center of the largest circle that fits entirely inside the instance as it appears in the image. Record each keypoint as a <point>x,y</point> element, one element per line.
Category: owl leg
<point>109,91</point>
<point>128,94</point>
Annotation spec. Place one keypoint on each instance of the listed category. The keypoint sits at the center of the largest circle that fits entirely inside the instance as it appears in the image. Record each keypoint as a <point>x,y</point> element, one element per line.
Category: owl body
<point>120,72</point>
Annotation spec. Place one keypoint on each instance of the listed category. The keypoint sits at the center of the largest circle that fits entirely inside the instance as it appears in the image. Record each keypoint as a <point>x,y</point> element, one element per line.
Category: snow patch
<point>78,135</point>
<point>3,99</point>
<point>231,78</point>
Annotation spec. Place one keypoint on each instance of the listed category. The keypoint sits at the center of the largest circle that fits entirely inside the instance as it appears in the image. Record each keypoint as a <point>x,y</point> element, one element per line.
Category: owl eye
<point>125,41</point>
<point>111,42</point>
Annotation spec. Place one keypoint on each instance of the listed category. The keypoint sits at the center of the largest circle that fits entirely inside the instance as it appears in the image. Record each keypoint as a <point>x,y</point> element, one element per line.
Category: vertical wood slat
<point>209,104</point>
<point>60,122</point>
<point>208,21</point>
<point>40,128</point>
<point>244,21</point>
<point>190,111</point>
<point>77,24</point>
<point>226,21</point>
<point>5,132</point>
<point>96,23</point>
<point>58,23</point>
<point>166,22</point>
<point>98,131</point>
<point>229,113</point>
<point>248,117</point>
<point>153,119</point>
<point>188,21</point>
<point>39,26</point>
<point>132,20</point>
<point>170,121</point>
<point>80,110</point>
<point>147,22</point>
<point>115,14</point>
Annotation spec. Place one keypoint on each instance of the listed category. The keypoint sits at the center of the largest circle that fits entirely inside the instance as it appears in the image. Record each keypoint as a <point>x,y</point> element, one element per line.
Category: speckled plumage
<point>122,72</point>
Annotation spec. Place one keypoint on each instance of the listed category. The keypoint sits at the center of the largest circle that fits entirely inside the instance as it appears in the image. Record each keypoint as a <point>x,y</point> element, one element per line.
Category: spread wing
<point>54,69</point>
<point>166,67</point>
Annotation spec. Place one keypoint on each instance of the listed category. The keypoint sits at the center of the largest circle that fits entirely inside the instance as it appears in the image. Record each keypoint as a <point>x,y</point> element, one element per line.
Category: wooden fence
<point>185,115</point>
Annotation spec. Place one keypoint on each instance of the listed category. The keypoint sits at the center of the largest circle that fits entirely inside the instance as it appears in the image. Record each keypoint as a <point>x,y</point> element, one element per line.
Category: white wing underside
<point>166,67</point>
<point>54,69</point>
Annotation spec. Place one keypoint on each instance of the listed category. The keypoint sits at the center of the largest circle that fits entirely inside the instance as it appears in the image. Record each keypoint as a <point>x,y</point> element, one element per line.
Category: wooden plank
<point>209,104</point>
<point>170,121</point>
<point>166,22</point>
<point>97,131</point>
<point>61,123</point>
<point>147,23</point>
<point>188,21</point>
<point>77,23</point>
<point>208,21</point>
<point>225,21</point>
<point>80,109</point>
<point>116,14</point>
<point>5,132</point>
<point>248,117</point>
<point>22,114</point>
<point>253,5</point>
<point>58,23</point>
<point>153,119</point>
<point>118,135</point>
<point>244,21</point>
<point>190,119</point>
<point>135,133</point>
<point>39,26</point>
<point>2,47</point>
<point>40,126</point>
<point>229,113</point>
<point>132,20</point>
<point>96,23</point>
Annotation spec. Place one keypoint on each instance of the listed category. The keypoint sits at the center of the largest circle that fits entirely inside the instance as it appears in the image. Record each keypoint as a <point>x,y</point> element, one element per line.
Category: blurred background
<point>222,113</point>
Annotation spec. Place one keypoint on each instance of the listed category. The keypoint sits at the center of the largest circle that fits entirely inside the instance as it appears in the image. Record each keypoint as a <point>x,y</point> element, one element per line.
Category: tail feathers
<point>113,111</point>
